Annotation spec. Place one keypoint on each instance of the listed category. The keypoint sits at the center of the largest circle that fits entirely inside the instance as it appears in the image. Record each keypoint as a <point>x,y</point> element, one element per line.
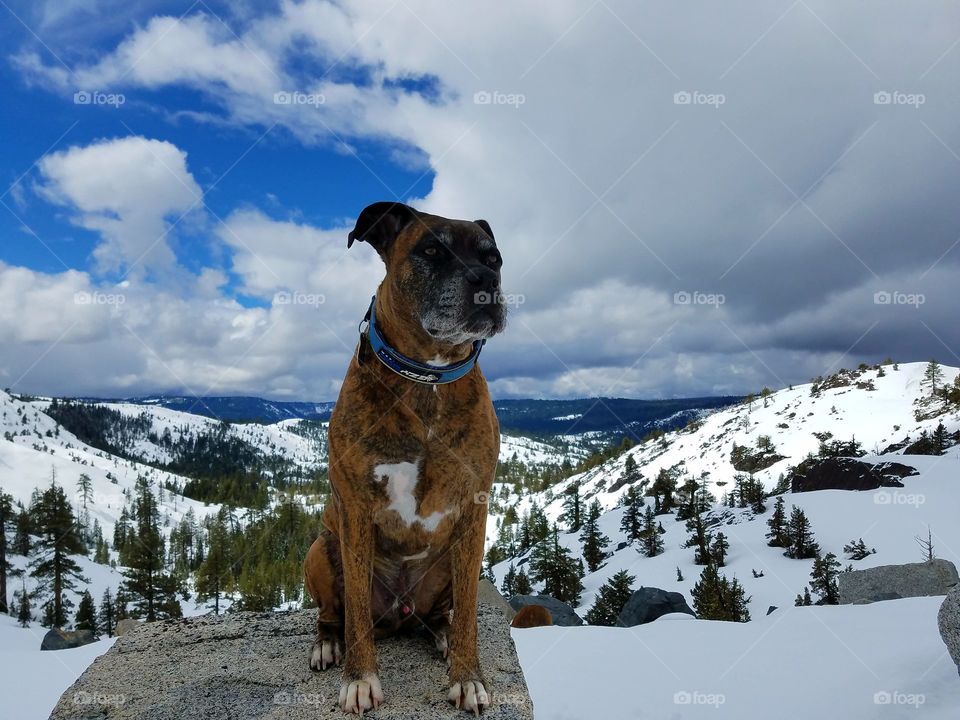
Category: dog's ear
<point>486,228</point>
<point>380,223</point>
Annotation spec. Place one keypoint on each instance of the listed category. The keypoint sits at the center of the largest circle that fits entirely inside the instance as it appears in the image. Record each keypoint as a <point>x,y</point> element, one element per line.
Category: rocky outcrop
<point>57,639</point>
<point>125,626</point>
<point>561,613</point>
<point>487,593</point>
<point>948,620</point>
<point>890,582</point>
<point>254,666</point>
<point>838,473</point>
<point>649,603</point>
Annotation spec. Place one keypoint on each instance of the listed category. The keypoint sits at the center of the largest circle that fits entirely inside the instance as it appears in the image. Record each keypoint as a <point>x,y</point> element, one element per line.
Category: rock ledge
<point>254,665</point>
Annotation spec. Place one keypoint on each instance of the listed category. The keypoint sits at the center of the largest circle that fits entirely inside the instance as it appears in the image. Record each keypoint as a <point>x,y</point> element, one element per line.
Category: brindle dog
<point>411,464</point>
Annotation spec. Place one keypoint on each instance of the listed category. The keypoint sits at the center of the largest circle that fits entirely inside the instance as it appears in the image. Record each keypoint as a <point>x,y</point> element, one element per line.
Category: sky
<point>690,198</point>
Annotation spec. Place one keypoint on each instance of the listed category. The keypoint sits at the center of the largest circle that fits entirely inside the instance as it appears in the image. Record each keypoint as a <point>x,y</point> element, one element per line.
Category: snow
<point>32,681</point>
<point>884,660</point>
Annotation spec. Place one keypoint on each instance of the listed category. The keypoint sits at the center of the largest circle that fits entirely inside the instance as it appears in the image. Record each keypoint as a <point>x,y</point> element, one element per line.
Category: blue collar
<point>402,365</point>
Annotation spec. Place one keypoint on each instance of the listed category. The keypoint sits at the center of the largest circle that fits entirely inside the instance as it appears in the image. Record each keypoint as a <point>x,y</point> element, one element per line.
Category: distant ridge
<point>613,417</point>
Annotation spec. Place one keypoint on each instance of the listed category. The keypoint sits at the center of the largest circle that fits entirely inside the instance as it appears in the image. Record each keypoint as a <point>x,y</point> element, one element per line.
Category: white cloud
<point>131,190</point>
<point>606,195</point>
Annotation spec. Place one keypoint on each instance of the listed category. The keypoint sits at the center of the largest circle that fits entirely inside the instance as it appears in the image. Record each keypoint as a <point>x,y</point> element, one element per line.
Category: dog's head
<point>447,272</point>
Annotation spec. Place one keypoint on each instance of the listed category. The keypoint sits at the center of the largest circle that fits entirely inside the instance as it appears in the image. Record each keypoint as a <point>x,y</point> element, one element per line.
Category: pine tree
<point>823,578</point>
<point>523,586</point>
<point>213,576</point>
<point>24,611</point>
<point>857,549</point>
<point>631,472</point>
<point>778,535</point>
<point>662,491</point>
<point>108,622</point>
<point>594,542</point>
<point>699,539</point>
<point>152,591</point>
<point>631,522</point>
<point>573,507</point>
<point>716,598</point>
<point>754,495</point>
<point>6,569</point>
<point>85,488</point>
<point>719,549</point>
<point>940,438</point>
<point>804,600</point>
<point>611,598</point>
<point>55,571</point>
<point>932,377</point>
<point>22,545</point>
<point>802,545</point>
<point>86,618</point>
<point>650,537</point>
<point>538,526</point>
<point>687,499</point>
<point>553,565</point>
<point>508,586</point>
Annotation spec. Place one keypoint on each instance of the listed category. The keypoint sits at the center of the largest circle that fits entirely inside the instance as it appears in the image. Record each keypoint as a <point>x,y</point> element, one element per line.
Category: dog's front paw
<point>325,653</point>
<point>357,696</point>
<point>469,695</point>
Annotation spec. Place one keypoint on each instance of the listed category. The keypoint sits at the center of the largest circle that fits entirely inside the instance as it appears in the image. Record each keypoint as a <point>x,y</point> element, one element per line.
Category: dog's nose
<point>482,277</point>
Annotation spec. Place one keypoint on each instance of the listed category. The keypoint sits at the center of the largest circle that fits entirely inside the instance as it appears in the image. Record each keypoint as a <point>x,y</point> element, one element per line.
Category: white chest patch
<point>401,485</point>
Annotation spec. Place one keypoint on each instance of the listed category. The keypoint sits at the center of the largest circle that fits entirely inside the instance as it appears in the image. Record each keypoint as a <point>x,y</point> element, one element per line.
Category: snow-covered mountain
<point>885,408</point>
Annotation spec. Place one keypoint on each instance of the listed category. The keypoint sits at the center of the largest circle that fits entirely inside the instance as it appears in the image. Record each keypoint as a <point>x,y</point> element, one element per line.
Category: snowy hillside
<point>880,412</point>
<point>877,411</point>
<point>34,448</point>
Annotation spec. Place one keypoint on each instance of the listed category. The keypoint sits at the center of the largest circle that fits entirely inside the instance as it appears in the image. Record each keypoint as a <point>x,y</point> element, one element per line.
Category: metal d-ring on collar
<point>402,365</point>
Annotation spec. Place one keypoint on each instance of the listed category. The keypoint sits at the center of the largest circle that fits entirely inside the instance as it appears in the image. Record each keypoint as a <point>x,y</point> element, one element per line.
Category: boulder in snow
<point>839,473</point>
<point>649,603</point>
<point>562,613</point>
<point>889,582</point>
<point>57,639</point>
<point>948,620</point>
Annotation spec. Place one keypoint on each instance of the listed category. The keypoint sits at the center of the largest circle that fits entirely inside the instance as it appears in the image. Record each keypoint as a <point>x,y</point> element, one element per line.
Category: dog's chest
<point>415,511</point>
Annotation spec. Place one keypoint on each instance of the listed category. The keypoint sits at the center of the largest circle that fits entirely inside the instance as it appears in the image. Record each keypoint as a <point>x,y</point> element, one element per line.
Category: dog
<point>413,449</point>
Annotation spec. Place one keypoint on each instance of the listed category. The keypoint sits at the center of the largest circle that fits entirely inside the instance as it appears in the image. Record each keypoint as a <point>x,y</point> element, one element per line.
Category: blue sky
<point>315,183</point>
<point>689,199</point>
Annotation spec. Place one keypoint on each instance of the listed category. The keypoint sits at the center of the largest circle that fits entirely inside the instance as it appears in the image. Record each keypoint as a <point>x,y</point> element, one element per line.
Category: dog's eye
<point>493,259</point>
<point>430,251</point>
